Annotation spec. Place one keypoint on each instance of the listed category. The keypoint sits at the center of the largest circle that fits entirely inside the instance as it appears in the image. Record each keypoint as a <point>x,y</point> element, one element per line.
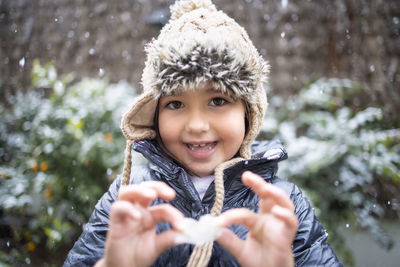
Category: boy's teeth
<point>201,147</point>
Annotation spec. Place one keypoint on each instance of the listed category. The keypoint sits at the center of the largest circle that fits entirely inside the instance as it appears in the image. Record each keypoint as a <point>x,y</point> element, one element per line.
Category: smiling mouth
<point>205,147</point>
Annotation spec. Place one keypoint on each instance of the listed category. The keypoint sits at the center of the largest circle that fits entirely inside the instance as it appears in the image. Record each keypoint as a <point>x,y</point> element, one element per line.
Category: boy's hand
<point>132,239</point>
<point>271,232</point>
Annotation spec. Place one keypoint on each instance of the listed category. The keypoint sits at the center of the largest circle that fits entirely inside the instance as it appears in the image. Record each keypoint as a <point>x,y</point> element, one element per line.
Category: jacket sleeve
<point>90,246</point>
<point>310,246</point>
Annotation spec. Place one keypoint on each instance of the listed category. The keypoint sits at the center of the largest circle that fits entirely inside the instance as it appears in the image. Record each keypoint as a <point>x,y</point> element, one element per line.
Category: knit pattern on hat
<point>182,7</point>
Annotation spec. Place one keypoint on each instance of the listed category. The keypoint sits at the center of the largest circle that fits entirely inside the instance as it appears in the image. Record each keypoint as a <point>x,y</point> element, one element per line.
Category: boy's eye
<point>175,105</point>
<point>218,101</point>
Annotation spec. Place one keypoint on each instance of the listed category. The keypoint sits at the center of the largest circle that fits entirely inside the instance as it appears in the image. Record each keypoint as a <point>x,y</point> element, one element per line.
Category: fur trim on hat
<point>182,72</point>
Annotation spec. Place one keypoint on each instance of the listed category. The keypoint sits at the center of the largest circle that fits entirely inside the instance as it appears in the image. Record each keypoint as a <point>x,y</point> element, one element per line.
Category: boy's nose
<point>197,122</point>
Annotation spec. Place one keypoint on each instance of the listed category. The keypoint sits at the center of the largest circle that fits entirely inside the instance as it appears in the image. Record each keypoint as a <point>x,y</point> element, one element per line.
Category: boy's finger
<point>231,242</point>
<point>135,194</point>
<point>238,216</point>
<point>121,210</point>
<point>287,216</point>
<point>165,240</point>
<point>146,192</point>
<point>163,190</point>
<point>121,215</point>
<point>266,190</point>
<point>167,213</point>
<point>266,205</point>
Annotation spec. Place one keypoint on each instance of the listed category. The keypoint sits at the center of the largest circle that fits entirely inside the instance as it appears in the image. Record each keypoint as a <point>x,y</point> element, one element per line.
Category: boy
<point>201,109</point>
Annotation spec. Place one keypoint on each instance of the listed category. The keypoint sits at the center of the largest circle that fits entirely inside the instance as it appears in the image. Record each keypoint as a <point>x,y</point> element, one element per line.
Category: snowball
<point>199,232</point>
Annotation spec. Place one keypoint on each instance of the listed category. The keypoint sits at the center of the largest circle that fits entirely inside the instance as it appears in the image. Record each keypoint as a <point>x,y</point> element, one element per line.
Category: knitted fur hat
<point>199,44</point>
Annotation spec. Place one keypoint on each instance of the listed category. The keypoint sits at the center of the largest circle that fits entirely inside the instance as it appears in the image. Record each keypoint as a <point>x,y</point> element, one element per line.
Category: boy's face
<point>201,128</point>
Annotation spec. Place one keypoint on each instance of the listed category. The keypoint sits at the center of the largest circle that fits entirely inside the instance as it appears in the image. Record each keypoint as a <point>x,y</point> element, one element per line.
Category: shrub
<point>339,155</point>
<point>60,146</point>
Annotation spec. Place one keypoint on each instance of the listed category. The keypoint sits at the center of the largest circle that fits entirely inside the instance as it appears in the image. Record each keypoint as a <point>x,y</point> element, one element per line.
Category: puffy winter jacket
<point>310,245</point>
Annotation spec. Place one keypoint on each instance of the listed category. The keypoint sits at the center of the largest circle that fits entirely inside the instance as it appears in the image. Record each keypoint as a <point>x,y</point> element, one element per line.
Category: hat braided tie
<point>126,173</point>
<point>201,254</point>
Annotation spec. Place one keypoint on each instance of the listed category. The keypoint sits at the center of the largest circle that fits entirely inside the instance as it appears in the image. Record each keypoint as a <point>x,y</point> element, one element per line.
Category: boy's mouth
<point>201,147</point>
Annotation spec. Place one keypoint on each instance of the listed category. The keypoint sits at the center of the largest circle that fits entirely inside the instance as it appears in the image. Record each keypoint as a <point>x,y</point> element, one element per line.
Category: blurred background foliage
<point>346,159</point>
<point>61,146</point>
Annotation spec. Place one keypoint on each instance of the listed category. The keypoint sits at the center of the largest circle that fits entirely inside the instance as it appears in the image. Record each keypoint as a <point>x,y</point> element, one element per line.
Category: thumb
<point>165,240</point>
<point>231,242</point>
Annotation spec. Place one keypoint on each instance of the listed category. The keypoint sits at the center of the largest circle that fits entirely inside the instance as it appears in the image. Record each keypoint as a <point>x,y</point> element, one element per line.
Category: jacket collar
<point>262,151</point>
<point>157,158</point>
